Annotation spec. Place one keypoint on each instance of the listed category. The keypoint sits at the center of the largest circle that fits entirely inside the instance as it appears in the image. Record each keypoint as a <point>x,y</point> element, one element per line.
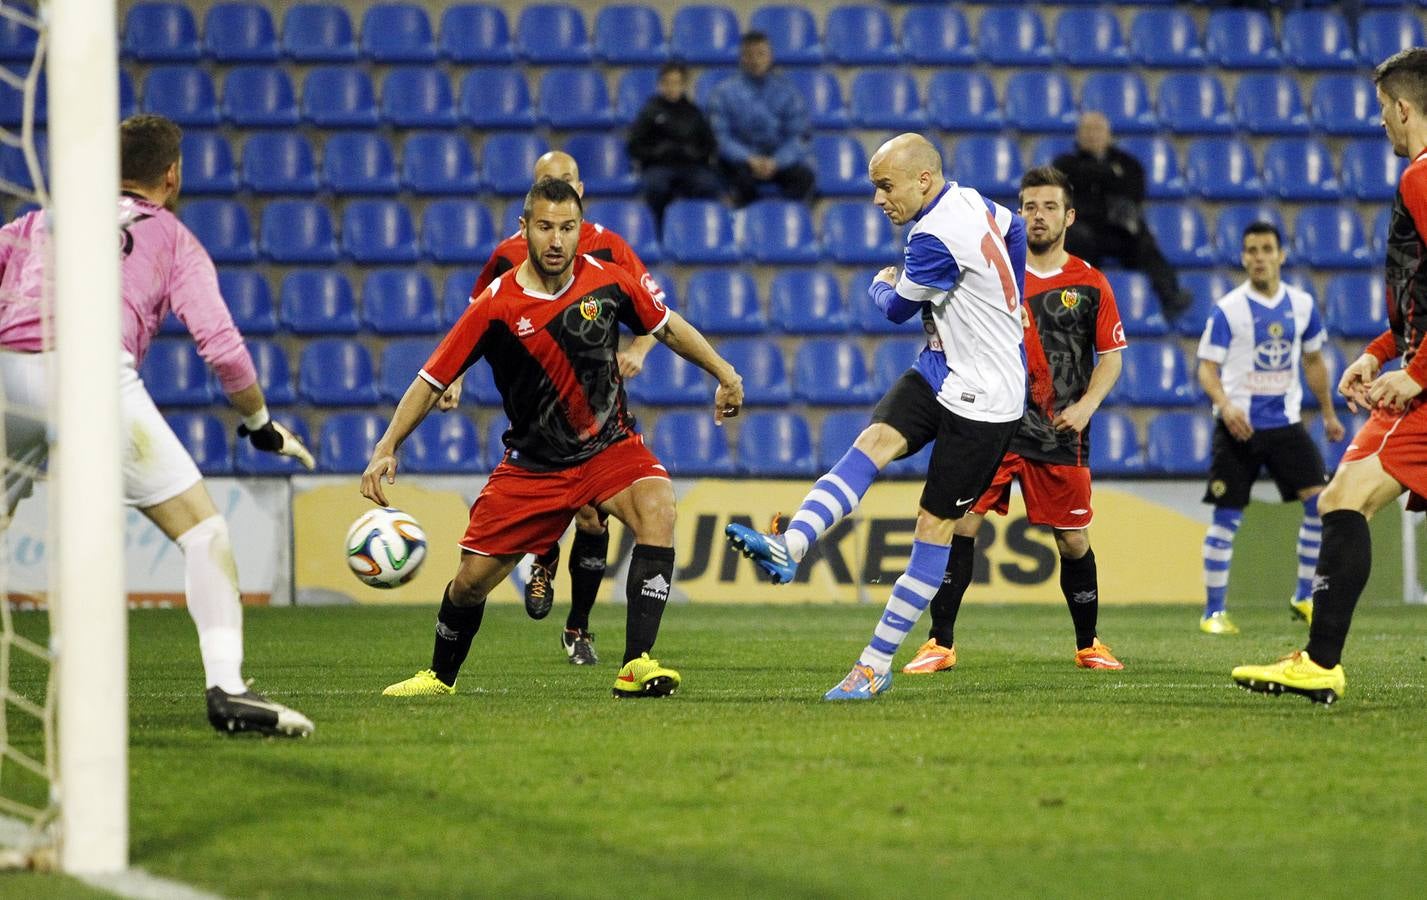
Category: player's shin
<point>651,573</point>
<point>1310,540</point>
<point>588,553</point>
<point>210,583</point>
<point>947,603</point>
<point>456,627</point>
<point>1080,585</point>
<point>910,596</point>
<point>1343,568</point>
<point>833,498</point>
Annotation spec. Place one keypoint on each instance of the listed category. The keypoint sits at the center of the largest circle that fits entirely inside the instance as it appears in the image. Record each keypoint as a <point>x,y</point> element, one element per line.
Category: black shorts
<point>1289,453</point>
<point>967,452</point>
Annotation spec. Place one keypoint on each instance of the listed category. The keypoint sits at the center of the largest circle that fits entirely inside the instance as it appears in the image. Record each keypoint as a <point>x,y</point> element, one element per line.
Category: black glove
<point>274,438</point>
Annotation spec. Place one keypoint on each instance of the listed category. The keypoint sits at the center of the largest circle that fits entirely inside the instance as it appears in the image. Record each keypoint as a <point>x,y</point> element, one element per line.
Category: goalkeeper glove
<point>272,437</point>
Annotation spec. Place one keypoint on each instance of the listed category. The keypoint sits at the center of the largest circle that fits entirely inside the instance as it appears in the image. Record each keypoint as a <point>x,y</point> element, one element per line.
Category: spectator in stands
<point>1109,187</point>
<point>673,144</point>
<point>761,123</point>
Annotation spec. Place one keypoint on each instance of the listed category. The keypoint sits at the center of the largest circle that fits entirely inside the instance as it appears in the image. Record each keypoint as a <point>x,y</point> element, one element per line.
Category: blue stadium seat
<point>1354,305</point>
<point>960,101</point>
<point>574,98</point>
<point>1371,170</point>
<point>836,434</point>
<point>240,32</point>
<point>866,317</point>
<point>205,437</point>
<point>12,98</point>
<point>1344,104</point>
<point>318,32</point>
<point>1155,373</point>
<point>175,374</point>
<point>298,231</point>
<point>17,41</point>
<point>778,232</point>
<point>446,444</point>
<point>401,360</point>
<point>631,220</point>
<point>457,231</point>
<point>1090,37</point>
<point>858,35</point>
<point>1179,443</point>
<point>1046,148</point>
<point>249,300</point>
<point>1179,231</point>
<point>857,233</point>
<point>841,164</point>
<point>724,301</point>
<point>344,445</point>
<point>397,33</point>
<point>480,386</point>
<point>456,294</point>
<point>1299,169</point>
<point>1194,103</point>
<point>776,445</point>
<point>378,231</point>
<point>604,164</point>
<point>128,103</point>
<point>496,426</point>
<point>791,31</point>
<point>1138,304</point>
<point>1114,445</point>
<point>1206,288</point>
<point>359,162</point>
<point>339,97</point>
<point>336,372</point>
<point>552,34</point>
<point>937,35</point>
<point>248,460</point>
<point>1269,103</point>
<point>476,33</point>
<point>317,301</point>
<point>1335,364</point>
<point>708,81</point>
<point>822,95</point>
<point>274,372</point>
<point>629,34</point>
<point>886,98</point>
<point>1318,39</point>
<point>496,98</point>
<point>1382,33</point>
<point>989,163</point>
<point>1233,219</point>
<point>1123,98</point>
<point>760,362</point>
<point>507,159</point>
<point>705,35</point>
<point>689,444</point>
<point>1163,179</point>
<point>1331,237</point>
<point>13,168</point>
<point>1222,169</point>
<point>259,97</point>
<point>1039,101</point>
<point>161,32</point>
<point>182,93</point>
<point>669,380</point>
<point>276,162</point>
<point>439,162</point>
<point>1381,222</point>
<point>807,301</point>
<point>699,231</point>
<point>399,301</point>
<point>832,371</point>
<point>207,163</point>
<point>894,356</point>
<point>636,85</point>
<point>1013,37</point>
<point>418,97</point>
<point>1241,39</point>
<point>1166,39</point>
<point>222,227</point>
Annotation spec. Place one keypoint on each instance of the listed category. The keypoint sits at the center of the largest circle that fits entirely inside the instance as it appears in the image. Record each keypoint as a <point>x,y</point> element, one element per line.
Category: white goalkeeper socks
<point>210,581</point>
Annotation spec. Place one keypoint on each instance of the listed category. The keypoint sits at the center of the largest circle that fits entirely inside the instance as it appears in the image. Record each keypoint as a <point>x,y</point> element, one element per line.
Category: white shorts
<point>156,466</point>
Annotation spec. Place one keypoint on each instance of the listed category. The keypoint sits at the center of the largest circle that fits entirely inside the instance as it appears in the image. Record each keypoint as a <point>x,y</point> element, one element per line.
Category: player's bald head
<point>908,155</point>
<point>906,175</point>
<point>560,166</point>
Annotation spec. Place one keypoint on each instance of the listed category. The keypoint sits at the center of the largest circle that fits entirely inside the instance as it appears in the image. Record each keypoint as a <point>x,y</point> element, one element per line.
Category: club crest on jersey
<point>523,327</point>
<point>1275,329</point>
<point>1070,298</point>
<point>590,309</point>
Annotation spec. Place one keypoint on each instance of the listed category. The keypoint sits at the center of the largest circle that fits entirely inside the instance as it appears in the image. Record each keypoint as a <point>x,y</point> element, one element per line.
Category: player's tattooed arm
<point>684,339</point>
<point>418,400</point>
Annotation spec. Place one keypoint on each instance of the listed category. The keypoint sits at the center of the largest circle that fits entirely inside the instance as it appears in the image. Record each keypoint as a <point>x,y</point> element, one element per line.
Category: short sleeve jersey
<point>1258,343</point>
<point>553,358</point>
<point>595,240</point>
<point>1070,317</point>
<point>1407,260</point>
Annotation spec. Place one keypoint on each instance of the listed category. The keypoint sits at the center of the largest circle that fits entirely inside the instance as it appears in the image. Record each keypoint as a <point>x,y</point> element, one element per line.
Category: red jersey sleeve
<point>640,310</point>
<point>629,261</point>
<point>460,348</point>
<point>1109,330</point>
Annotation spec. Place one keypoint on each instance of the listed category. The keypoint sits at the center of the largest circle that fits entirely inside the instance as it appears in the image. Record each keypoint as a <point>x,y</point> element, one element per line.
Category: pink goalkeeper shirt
<point>164,268</point>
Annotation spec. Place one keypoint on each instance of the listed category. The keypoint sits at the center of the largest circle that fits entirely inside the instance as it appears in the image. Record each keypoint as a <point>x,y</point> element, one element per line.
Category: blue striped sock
<point>910,596</point>
<point>832,499</point>
<point>1218,553</point>
<point>1310,539</point>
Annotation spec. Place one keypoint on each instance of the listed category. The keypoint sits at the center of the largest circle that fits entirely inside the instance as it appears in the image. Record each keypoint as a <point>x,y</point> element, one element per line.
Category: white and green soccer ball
<point>385,547</point>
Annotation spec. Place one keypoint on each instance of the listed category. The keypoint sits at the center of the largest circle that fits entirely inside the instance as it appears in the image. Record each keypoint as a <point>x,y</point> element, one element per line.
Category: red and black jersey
<point>1407,266</point>
<point>553,357</point>
<point>1070,315</point>
<point>595,240</point>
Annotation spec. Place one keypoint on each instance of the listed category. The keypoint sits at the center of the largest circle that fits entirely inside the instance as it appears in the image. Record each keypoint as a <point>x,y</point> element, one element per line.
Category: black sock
<point>587,565</point>
<point>456,627</point>
<point>1343,566</point>
<point>651,572</point>
<point>1081,587</point>
<point>947,602</point>
<point>550,559</point>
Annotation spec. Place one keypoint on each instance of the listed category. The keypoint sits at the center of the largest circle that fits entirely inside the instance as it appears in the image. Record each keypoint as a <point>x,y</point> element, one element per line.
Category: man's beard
<point>550,273</point>
<point>1040,247</point>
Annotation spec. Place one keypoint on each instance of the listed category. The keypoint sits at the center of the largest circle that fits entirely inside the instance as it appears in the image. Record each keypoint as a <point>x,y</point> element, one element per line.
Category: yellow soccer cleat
<point>931,657</point>
<point>644,677</point>
<point>1302,609</point>
<point>1097,656</point>
<point>1218,623</point>
<point>422,684</point>
<point>1297,674</point>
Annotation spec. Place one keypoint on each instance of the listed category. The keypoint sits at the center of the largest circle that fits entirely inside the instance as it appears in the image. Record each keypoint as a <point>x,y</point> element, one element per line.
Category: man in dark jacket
<point>673,144</point>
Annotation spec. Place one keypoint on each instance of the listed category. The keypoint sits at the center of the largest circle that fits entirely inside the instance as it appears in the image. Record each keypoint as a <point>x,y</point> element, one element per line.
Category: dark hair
<point>148,145</point>
<point>1262,228</point>
<point>1403,76</point>
<point>552,190</point>
<point>674,67</point>
<point>1049,176</point>
<point>753,37</point>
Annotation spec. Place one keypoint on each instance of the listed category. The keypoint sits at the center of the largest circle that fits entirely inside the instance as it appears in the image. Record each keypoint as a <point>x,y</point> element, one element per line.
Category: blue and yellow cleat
<point>768,551</point>
<point>861,684</point>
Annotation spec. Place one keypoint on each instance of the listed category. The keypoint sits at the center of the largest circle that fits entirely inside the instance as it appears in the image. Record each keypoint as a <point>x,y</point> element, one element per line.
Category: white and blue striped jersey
<point>958,263</point>
<point>1259,343</point>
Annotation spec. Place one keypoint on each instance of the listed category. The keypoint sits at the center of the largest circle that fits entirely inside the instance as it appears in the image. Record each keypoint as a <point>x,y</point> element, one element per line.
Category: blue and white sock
<point>831,500</point>
<point>1218,553</point>
<point>910,596</point>
<point>1310,539</point>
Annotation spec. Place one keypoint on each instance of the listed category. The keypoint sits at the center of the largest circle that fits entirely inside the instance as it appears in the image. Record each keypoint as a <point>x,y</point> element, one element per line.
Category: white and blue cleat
<point>768,551</point>
<point>861,684</point>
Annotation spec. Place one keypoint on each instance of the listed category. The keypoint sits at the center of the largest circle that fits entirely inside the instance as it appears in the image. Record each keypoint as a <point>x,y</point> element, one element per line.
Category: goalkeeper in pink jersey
<point>163,269</point>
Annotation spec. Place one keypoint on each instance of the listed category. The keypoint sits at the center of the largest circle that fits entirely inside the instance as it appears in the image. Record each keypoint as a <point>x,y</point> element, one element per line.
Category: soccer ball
<point>385,547</point>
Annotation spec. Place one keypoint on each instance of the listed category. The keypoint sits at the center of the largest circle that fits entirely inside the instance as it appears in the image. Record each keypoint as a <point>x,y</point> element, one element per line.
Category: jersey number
<point>992,251</point>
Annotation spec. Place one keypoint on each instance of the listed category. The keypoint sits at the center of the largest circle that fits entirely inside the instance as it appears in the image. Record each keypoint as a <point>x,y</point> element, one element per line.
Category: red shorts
<point>1058,496</point>
<point>1399,441</point>
<point>521,511</point>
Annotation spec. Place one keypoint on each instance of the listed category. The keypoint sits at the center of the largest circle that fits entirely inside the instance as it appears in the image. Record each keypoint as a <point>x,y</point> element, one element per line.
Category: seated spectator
<point>673,145</point>
<point>1109,187</point>
<point>761,123</point>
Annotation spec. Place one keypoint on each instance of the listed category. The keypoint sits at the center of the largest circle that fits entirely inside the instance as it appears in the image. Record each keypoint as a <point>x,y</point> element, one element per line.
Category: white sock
<point>210,581</point>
